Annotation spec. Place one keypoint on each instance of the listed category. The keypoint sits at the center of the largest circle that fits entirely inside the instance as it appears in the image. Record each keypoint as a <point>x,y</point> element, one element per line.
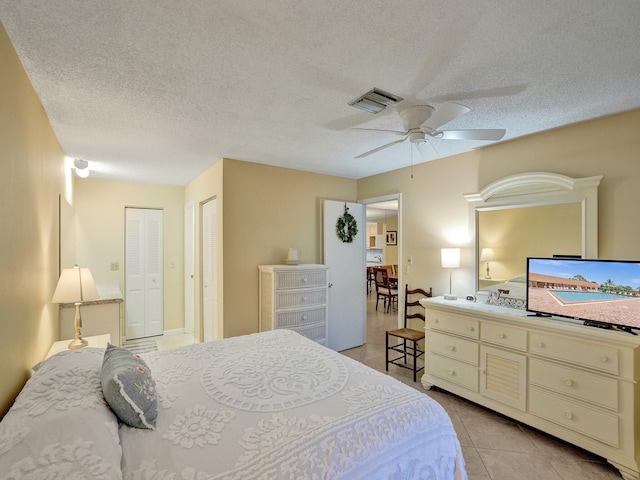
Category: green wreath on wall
<point>346,226</point>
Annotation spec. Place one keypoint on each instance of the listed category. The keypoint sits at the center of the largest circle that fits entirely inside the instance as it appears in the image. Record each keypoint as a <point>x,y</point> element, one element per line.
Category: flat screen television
<point>601,293</point>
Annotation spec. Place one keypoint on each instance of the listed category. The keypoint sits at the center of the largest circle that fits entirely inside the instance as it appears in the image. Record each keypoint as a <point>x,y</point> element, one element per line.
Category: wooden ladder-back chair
<point>384,289</point>
<point>410,337</point>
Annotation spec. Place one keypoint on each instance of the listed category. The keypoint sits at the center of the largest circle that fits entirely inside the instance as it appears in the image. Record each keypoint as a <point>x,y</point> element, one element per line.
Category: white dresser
<point>294,297</point>
<point>578,383</point>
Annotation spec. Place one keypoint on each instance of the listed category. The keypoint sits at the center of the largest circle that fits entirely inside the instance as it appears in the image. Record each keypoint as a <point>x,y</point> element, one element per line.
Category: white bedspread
<point>278,406</point>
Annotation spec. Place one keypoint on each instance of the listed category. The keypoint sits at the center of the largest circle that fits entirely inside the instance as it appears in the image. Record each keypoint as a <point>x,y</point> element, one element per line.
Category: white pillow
<point>60,425</point>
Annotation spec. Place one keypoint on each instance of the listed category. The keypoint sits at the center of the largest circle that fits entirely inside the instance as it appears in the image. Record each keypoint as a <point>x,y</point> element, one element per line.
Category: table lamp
<point>450,258</point>
<point>75,286</point>
<point>487,256</point>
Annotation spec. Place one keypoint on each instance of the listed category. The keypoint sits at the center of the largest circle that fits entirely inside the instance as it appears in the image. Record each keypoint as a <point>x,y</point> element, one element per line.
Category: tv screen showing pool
<point>606,291</point>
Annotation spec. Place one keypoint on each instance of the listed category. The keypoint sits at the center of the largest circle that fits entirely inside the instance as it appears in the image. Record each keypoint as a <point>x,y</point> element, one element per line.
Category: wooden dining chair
<point>408,347</point>
<point>384,289</point>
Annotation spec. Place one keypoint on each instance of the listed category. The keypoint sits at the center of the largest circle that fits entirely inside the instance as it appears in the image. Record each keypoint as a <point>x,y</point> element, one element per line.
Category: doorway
<point>144,275</point>
<point>383,245</point>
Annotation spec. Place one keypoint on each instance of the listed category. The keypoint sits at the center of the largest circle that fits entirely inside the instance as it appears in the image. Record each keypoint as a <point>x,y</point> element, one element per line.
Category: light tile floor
<point>494,447</point>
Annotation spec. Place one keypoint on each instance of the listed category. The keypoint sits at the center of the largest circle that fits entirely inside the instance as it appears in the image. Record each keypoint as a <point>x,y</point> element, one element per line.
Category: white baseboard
<point>174,331</point>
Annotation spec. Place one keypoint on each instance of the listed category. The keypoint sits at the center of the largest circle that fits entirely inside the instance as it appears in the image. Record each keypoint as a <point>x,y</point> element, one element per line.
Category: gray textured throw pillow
<point>128,387</point>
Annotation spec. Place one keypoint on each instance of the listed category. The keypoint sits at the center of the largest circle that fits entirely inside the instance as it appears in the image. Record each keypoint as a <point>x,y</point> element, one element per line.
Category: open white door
<point>347,277</point>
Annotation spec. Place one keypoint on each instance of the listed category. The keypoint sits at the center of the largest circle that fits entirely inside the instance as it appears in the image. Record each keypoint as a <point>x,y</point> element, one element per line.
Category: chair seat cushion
<point>407,334</point>
<point>385,291</point>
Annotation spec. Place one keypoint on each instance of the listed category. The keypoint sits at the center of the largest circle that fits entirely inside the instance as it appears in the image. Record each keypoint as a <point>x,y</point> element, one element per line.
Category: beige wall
<point>391,251</point>
<point>32,179</point>
<point>265,210</point>
<point>100,209</point>
<point>435,214</point>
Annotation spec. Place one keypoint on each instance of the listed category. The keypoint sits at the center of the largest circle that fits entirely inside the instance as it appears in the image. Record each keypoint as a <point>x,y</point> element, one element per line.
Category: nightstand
<point>96,341</point>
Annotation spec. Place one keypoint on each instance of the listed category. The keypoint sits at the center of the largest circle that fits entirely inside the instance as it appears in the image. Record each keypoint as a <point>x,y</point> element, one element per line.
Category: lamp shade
<point>450,257</point>
<point>75,285</point>
<point>487,255</point>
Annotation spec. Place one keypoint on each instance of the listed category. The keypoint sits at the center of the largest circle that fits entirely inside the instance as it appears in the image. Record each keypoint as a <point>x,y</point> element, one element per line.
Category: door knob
<point>330,284</point>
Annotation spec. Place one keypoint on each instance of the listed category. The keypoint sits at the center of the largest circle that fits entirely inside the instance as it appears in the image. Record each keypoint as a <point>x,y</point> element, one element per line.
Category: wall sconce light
<point>75,286</point>
<point>82,167</point>
<point>487,256</point>
<point>450,258</point>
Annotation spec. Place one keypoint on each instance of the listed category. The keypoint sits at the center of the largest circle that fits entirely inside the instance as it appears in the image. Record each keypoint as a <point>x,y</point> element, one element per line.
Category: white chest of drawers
<point>577,383</point>
<point>294,297</point>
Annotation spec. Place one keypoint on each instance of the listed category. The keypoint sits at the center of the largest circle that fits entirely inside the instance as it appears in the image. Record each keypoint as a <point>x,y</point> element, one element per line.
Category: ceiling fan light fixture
<point>375,100</point>
<point>82,167</point>
<point>417,137</point>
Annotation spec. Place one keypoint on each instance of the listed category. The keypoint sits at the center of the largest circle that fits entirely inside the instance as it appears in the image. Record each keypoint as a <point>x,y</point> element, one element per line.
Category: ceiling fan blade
<point>397,132</point>
<point>475,134</point>
<point>444,114</point>
<point>382,147</point>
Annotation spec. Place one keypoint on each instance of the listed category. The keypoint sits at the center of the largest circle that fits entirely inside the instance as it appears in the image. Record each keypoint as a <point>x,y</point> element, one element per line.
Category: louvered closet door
<point>210,270</point>
<point>144,293</point>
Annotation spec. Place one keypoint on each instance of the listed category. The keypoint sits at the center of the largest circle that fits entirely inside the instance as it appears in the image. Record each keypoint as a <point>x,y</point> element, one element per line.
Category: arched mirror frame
<point>537,189</point>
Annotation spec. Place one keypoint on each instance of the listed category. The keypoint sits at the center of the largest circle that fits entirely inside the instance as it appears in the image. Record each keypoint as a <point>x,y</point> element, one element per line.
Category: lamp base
<point>450,297</point>
<point>78,343</point>
<point>487,277</point>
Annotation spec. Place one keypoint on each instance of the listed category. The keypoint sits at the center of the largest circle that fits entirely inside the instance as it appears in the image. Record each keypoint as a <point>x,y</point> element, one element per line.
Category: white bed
<point>273,405</point>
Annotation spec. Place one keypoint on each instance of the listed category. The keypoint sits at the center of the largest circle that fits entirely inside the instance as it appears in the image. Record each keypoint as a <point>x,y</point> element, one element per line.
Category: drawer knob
<point>502,335</point>
<point>568,415</point>
<point>470,329</point>
<point>436,320</point>
<point>604,359</point>
<point>540,344</point>
<point>304,317</point>
<point>452,371</point>
<point>304,299</point>
<point>568,382</point>
<point>304,279</point>
<point>452,348</point>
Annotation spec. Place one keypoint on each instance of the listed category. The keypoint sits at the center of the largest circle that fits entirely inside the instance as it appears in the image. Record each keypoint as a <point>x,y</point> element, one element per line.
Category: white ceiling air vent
<point>374,101</point>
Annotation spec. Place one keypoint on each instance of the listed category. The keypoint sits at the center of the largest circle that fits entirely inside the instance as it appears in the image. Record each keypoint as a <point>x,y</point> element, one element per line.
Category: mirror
<point>513,234</point>
<point>533,214</point>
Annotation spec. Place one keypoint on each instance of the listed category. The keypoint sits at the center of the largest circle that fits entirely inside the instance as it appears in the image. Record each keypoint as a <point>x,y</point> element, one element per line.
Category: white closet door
<point>154,304</point>
<point>210,270</point>
<point>189,268</point>
<point>144,277</point>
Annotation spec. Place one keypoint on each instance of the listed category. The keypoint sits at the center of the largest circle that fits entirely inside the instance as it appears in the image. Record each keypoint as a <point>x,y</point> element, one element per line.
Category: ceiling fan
<point>421,121</point>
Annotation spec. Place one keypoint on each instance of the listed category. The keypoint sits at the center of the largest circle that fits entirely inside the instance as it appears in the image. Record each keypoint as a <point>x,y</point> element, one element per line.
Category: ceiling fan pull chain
<point>411,145</point>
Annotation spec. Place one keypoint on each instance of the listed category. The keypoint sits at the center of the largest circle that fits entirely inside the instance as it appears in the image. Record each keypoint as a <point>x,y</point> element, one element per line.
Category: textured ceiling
<point>158,90</point>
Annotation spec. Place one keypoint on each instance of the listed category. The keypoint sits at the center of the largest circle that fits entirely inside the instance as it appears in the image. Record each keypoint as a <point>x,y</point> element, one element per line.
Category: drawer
<point>317,333</point>
<point>505,335</point>
<point>305,279</point>
<point>301,298</point>
<point>307,316</point>
<point>588,421</point>
<point>453,371</point>
<point>454,347</point>
<point>570,381</point>
<point>591,355</point>
<point>449,322</point>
